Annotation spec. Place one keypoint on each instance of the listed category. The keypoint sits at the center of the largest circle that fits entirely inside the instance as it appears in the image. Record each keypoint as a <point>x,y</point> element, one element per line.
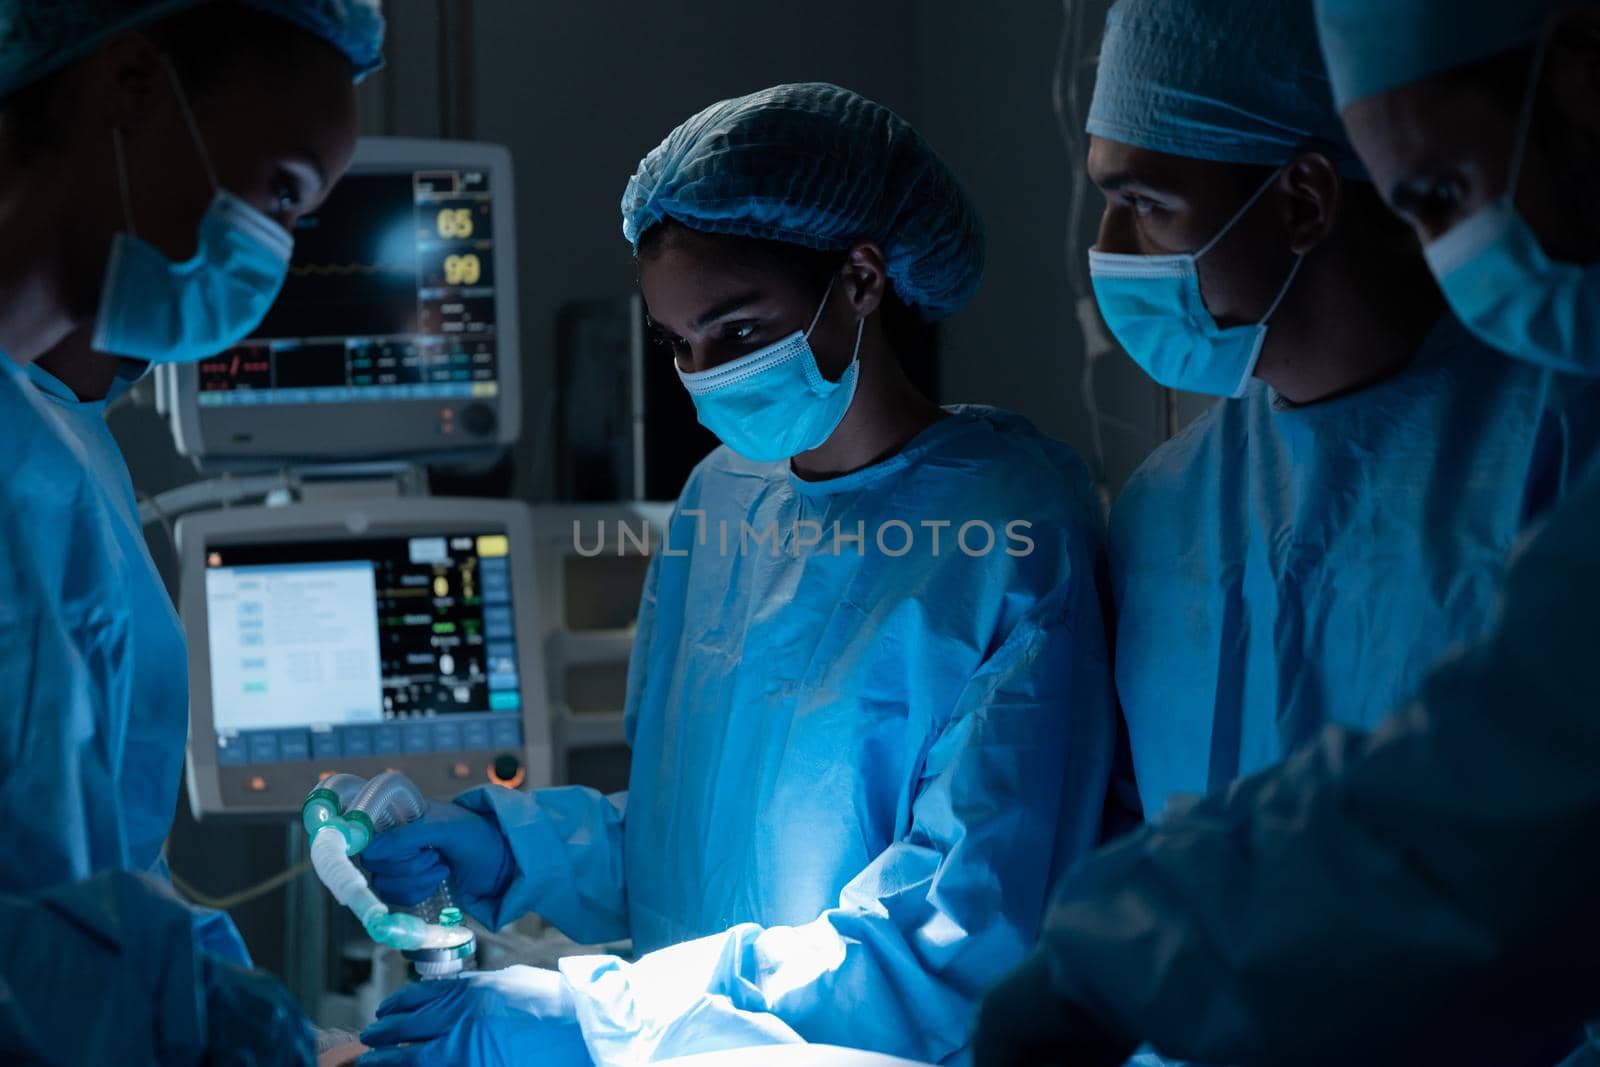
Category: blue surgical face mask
<point>1507,290</point>
<point>774,403</point>
<point>1154,308</point>
<point>154,309</point>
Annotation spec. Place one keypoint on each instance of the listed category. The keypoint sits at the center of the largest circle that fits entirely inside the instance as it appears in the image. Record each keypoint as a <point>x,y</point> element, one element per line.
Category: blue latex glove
<point>407,863</point>
<point>489,1017</point>
<point>251,1020</point>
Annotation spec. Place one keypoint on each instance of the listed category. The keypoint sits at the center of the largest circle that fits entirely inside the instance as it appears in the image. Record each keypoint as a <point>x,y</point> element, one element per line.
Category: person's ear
<point>1311,194</point>
<point>127,83</point>
<point>864,279</point>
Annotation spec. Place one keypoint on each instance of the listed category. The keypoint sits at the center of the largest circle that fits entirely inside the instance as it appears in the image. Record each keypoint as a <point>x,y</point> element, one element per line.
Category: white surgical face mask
<point>1154,307</point>
<point>154,309</point>
<point>1506,289</point>
<point>774,403</point>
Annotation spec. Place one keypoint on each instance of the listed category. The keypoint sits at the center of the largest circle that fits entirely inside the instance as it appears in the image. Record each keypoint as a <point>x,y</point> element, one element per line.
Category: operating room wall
<point>988,99</point>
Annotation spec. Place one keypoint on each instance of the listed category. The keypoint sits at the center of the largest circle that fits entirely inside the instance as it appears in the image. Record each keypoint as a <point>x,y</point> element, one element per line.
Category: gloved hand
<point>1024,1023</point>
<point>251,1021</point>
<point>516,1016</point>
<point>407,863</point>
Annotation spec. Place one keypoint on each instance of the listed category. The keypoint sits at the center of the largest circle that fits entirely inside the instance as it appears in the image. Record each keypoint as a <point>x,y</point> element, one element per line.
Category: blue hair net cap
<point>1233,81</point>
<point>41,36</point>
<point>819,166</point>
<point>1373,46</point>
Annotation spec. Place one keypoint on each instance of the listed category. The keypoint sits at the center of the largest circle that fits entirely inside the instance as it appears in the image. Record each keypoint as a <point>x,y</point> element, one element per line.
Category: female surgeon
<point>859,754</point>
<point>154,156</point>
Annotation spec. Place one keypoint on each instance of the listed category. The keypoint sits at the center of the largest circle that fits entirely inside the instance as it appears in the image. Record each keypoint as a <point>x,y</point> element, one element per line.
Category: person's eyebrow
<point>1117,181</point>
<point>728,307</point>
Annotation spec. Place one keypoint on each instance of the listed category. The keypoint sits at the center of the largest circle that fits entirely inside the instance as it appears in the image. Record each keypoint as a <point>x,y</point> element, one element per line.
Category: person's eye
<point>287,196</point>
<point>1142,206</point>
<point>742,332</point>
<point>1435,203</point>
<point>672,344</point>
<point>1441,199</point>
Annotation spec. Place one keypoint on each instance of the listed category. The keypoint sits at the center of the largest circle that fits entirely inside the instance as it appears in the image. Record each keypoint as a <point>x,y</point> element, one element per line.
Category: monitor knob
<point>506,770</point>
<point>478,419</point>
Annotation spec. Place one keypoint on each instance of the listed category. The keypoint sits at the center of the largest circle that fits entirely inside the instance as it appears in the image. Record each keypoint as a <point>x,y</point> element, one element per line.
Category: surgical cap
<point>1373,46</point>
<point>818,166</point>
<point>1234,81</point>
<point>40,36</point>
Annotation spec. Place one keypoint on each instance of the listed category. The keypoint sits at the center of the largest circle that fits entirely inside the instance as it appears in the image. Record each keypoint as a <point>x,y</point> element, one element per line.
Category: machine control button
<point>506,770</point>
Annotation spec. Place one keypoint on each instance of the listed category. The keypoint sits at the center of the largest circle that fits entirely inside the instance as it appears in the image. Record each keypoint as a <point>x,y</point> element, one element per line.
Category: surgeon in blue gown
<point>1424,893</point>
<point>1304,550</point>
<point>859,755</point>
<point>154,155</point>
<point>157,726</point>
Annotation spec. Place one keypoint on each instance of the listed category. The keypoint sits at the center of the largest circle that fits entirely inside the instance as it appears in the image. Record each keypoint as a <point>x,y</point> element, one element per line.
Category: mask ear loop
<point>1530,95</point>
<point>1237,215</point>
<point>1299,261</point>
<point>194,127</point>
<point>821,307</point>
<point>861,324</point>
<point>120,152</point>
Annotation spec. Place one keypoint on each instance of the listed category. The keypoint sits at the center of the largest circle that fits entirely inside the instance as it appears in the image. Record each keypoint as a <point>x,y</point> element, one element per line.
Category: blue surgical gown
<point>156,719</point>
<point>1421,894</point>
<point>71,729</point>
<point>60,762</point>
<point>1276,568</point>
<point>158,715</point>
<point>855,770</point>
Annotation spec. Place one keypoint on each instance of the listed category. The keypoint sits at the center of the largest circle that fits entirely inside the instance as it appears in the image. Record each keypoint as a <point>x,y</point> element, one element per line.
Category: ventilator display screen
<point>390,296</point>
<point>332,649</point>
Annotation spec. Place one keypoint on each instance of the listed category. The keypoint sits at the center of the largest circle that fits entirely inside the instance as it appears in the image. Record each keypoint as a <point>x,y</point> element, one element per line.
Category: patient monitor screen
<point>330,649</point>
<point>390,296</point>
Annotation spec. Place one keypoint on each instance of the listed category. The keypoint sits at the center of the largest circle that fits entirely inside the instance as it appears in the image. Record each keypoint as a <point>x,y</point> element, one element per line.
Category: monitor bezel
<point>328,521</point>
<point>278,431</point>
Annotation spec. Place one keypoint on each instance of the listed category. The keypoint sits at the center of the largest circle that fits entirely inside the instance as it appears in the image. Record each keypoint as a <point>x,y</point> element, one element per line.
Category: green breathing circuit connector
<point>321,807</point>
<point>434,940</point>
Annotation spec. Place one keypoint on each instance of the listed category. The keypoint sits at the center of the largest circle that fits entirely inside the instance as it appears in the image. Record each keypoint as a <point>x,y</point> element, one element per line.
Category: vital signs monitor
<point>396,331</point>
